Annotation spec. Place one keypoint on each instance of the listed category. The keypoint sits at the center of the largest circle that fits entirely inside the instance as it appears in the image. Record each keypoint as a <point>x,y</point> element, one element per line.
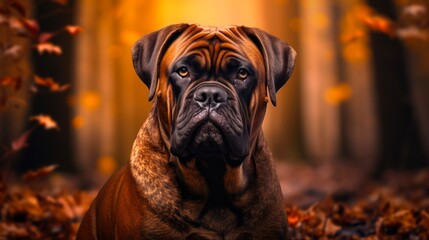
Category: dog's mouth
<point>202,137</point>
<point>200,132</point>
<point>208,140</point>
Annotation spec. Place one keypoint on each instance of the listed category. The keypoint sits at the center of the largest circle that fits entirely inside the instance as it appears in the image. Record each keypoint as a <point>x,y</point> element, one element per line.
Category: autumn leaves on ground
<point>342,202</point>
<point>44,204</point>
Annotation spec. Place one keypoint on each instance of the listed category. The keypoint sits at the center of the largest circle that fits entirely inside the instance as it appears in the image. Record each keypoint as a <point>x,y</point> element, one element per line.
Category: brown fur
<point>156,196</point>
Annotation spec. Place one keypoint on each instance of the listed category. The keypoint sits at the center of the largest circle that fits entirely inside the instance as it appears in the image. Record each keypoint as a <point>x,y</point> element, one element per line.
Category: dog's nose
<point>210,96</point>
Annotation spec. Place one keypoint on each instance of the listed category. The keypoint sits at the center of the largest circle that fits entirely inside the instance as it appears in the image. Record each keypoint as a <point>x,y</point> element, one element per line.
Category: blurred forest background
<point>355,110</point>
<point>359,92</point>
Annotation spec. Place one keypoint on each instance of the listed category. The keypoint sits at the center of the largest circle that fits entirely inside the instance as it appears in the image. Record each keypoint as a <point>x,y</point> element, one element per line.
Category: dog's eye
<point>183,72</point>
<point>242,74</point>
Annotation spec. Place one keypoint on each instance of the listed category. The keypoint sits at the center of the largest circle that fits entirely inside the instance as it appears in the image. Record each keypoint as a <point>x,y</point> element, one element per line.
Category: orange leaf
<point>9,81</point>
<point>31,175</point>
<point>413,32</point>
<point>49,48</point>
<point>31,25</point>
<point>331,228</point>
<point>293,220</point>
<point>293,216</point>
<point>45,36</point>
<point>21,141</point>
<point>17,25</point>
<point>376,22</point>
<point>73,30</point>
<point>415,10</point>
<point>13,229</point>
<point>45,121</point>
<point>50,84</point>
<point>380,23</point>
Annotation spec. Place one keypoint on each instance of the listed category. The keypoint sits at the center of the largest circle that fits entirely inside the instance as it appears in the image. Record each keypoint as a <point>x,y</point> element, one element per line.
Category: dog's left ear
<point>279,59</point>
<point>148,51</point>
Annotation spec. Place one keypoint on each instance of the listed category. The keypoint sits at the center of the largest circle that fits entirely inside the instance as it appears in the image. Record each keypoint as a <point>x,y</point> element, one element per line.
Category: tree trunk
<point>319,64</point>
<point>400,142</point>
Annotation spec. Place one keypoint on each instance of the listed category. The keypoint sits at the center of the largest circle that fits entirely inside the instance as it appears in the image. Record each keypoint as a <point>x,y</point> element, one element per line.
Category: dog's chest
<point>219,218</point>
<point>222,221</point>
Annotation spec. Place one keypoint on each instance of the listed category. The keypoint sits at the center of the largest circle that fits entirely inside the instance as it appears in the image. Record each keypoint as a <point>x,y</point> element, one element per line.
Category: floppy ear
<point>148,51</point>
<point>279,59</point>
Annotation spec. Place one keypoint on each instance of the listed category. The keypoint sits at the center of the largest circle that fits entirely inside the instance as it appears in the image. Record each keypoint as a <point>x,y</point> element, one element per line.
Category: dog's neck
<point>212,179</point>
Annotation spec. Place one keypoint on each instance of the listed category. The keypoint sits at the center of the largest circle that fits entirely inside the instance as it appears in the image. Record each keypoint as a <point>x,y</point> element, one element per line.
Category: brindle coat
<point>200,167</point>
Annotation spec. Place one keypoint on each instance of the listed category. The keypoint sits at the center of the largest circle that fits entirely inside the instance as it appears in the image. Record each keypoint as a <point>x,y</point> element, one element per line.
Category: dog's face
<point>212,86</point>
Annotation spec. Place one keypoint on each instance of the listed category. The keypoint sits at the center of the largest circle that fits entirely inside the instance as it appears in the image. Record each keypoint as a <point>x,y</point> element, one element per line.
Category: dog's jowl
<point>200,167</point>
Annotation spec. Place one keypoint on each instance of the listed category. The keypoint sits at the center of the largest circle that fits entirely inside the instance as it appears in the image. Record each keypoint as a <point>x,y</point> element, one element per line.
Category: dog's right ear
<point>148,51</point>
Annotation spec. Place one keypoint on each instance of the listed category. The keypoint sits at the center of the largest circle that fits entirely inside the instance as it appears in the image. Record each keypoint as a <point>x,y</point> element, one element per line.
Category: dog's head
<point>210,85</point>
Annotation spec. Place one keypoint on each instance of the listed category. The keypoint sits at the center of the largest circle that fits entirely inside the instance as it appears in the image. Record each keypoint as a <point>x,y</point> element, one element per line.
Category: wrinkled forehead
<point>213,45</point>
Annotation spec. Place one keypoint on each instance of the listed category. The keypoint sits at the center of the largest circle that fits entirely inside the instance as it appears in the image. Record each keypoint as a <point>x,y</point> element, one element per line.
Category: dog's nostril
<point>218,97</point>
<point>210,96</point>
<point>201,97</point>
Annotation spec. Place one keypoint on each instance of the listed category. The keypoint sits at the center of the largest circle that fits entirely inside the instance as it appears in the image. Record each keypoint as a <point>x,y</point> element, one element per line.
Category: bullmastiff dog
<point>200,167</point>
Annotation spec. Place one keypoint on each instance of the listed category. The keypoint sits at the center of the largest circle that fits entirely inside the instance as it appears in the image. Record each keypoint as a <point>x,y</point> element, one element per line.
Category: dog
<point>200,167</point>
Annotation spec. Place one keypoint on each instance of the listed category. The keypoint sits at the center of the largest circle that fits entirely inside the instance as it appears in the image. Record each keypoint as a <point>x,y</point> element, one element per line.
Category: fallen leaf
<point>402,219</point>
<point>375,21</point>
<point>11,53</point>
<point>45,36</point>
<point>330,228</point>
<point>21,141</point>
<point>13,230</point>
<point>11,81</point>
<point>293,216</point>
<point>424,223</point>
<point>73,30</point>
<point>14,23</point>
<point>50,84</point>
<point>49,48</point>
<point>379,23</point>
<point>67,211</point>
<point>415,10</point>
<point>31,25</point>
<point>43,171</point>
<point>45,120</point>
<point>412,32</point>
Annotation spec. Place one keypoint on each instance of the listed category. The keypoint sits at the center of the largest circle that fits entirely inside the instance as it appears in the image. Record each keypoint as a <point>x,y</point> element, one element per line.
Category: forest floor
<point>344,202</point>
<point>325,202</point>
